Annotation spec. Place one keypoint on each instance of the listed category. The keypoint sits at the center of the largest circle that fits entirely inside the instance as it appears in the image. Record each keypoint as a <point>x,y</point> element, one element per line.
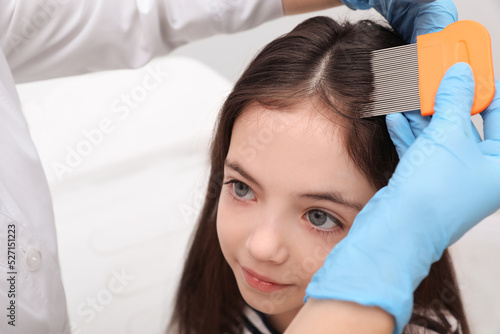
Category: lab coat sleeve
<point>31,289</point>
<point>43,39</point>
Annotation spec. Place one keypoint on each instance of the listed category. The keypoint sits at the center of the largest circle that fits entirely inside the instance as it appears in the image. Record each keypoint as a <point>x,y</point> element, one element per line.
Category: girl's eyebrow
<point>332,196</point>
<point>237,168</point>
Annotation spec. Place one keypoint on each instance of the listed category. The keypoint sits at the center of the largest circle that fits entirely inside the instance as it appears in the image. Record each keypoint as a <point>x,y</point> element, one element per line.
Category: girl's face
<point>290,194</point>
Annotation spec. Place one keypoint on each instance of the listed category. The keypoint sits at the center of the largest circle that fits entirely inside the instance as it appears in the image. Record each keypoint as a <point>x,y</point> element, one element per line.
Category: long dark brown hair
<point>326,62</point>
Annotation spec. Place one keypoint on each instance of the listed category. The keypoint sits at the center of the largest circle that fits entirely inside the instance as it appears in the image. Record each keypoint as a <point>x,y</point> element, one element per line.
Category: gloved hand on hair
<point>411,18</point>
<point>447,181</point>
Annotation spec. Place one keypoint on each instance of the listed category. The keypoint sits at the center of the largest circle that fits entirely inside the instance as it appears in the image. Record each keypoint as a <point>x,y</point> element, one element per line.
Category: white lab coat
<point>43,39</point>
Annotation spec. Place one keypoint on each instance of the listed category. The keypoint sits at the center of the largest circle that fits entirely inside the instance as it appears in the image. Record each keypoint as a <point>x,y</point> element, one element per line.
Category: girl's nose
<point>267,242</point>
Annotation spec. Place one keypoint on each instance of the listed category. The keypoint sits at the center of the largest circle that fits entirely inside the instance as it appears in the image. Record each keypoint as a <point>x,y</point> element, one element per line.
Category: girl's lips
<point>261,283</point>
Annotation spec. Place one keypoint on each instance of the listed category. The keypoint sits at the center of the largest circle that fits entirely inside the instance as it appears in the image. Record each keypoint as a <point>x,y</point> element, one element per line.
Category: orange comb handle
<point>462,41</point>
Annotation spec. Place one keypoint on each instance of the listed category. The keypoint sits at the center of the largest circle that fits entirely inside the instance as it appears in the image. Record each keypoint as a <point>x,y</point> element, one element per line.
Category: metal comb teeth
<point>395,80</point>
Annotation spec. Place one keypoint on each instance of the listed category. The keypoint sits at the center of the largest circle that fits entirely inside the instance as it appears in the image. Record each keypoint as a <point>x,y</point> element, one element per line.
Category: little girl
<point>292,164</point>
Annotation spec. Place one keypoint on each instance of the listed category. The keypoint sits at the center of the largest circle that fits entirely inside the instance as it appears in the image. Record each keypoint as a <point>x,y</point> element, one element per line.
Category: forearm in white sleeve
<point>44,39</point>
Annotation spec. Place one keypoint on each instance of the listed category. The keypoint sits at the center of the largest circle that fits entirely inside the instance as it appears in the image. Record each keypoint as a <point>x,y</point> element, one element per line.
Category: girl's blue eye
<point>242,190</point>
<point>322,219</point>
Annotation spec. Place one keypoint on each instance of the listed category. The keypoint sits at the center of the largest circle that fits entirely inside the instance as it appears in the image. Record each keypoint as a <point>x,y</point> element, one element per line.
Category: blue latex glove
<point>445,183</point>
<point>405,128</point>
<point>411,18</point>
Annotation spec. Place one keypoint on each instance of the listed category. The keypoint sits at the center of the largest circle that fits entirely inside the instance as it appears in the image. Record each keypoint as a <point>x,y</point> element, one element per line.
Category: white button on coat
<point>33,259</point>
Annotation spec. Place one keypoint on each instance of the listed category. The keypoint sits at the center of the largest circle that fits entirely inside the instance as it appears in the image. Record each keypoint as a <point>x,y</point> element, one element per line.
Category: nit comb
<point>407,77</point>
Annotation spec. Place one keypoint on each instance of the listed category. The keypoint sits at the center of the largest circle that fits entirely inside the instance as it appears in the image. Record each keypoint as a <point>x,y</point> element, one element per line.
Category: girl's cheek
<point>229,229</point>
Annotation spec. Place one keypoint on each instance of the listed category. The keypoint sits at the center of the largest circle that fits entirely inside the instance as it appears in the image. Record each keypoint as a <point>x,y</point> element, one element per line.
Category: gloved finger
<point>454,98</point>
<point>433,17</point>
<point>417,122</point>
<point>476,134</point>
<point>400,132</point>
<point>367,4</point>
<point>491,125</point>
<point>382,6</point>
<point>491,117</point>
<point>357,4</point>
<point>411,18</point>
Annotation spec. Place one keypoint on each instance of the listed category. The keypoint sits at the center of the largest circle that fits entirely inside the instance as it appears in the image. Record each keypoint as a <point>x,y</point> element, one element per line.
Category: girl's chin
<point>280,319</point>
<point>272,306</point>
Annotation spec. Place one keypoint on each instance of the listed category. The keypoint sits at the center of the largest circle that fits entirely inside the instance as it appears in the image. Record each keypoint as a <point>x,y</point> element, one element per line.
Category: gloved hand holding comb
<point>411,18</point>
<point>445,183</point>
